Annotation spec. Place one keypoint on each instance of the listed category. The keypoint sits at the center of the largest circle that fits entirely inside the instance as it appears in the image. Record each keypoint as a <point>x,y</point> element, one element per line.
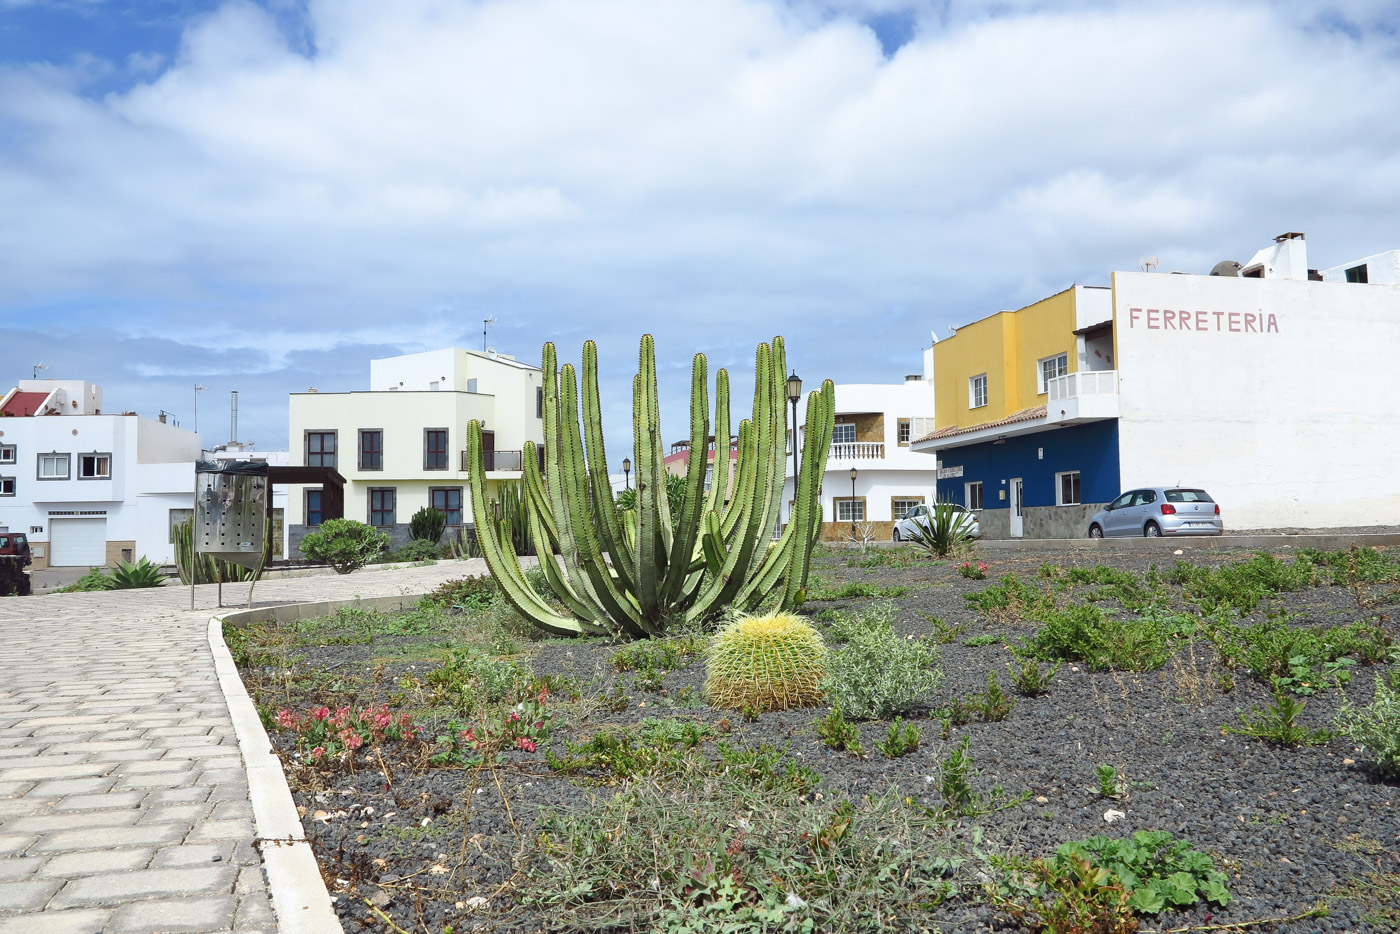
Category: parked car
<point>1158,510</point>
<point>921,516</point>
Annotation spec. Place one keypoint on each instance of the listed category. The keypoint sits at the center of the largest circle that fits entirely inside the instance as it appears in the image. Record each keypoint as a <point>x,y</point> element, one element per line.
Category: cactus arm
<point>602,585</point>
<point>687,529</point>
<point>770,571</point>
<point>559,582</point>
<point>652,508</point>
<point>719,484</point>
<point>538,500</point>
<point>806,520</point>
<point>609,524</point>
<point>504,565</point>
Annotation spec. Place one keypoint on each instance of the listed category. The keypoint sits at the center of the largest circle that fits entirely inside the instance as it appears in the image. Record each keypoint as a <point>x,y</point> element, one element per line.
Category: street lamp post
<point>853,502</point>
<point>794,391</point>
<point>627,473</point>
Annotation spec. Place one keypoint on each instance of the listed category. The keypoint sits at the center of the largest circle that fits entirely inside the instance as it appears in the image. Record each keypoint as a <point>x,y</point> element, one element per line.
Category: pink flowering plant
<point>325,736</point>
<point>977,572</point>
<point>517,726</point>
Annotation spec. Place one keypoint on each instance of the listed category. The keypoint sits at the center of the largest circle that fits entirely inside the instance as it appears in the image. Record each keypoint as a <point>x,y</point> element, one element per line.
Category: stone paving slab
<point>125,800</point>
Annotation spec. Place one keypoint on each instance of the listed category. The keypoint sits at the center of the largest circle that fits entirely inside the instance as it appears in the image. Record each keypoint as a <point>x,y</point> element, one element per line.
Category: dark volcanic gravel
<point>1290,826</point>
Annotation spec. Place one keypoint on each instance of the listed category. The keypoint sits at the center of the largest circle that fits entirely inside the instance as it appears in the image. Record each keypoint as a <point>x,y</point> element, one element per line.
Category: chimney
<point>162,416</point>
<point>233,417</point>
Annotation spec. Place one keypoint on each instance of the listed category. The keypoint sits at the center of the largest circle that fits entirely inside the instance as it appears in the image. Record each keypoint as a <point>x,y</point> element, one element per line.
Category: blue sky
<point>263,196</point>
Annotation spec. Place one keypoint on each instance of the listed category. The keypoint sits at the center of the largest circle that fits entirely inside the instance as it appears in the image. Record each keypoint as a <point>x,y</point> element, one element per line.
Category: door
<point>1017,527</point>
<point>78,543</point>
<point>1119,520</point>
<point>488,449</point>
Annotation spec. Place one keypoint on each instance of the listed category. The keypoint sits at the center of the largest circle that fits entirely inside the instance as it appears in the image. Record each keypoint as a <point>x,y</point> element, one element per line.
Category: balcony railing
<point>1083,383</point>
<point>499,460</point>
<point>1086,396</point>
<point>857,450</point>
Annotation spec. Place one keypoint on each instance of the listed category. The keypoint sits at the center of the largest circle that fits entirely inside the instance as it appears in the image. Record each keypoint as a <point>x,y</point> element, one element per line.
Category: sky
<point>263,196</point>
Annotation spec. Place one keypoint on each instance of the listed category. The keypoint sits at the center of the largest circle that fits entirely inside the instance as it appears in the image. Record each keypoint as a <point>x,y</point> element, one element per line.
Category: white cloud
<point>715,171</point>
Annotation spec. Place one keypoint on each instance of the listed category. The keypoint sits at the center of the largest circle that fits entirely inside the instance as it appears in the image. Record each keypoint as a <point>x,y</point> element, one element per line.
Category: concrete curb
<point>299,896</point>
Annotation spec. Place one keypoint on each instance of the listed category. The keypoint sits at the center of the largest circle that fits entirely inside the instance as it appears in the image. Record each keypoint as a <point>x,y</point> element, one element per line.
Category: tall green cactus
<point>632,573</point>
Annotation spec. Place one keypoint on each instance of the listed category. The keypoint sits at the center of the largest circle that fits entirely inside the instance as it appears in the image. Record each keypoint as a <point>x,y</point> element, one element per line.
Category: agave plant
<point>947,531</point>
<point>634,571</point>
<point>144,573</point>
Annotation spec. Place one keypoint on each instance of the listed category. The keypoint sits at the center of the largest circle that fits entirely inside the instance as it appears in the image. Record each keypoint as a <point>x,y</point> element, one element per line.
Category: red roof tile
<point>24,403</point>
<point>1025,415</point>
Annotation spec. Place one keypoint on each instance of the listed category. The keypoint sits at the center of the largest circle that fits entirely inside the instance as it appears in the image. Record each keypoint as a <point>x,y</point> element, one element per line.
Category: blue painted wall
<point>1091,449</point>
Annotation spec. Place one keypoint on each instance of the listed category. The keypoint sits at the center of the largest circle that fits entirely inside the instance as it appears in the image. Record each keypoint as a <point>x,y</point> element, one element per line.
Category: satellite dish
<point>1226,267</point>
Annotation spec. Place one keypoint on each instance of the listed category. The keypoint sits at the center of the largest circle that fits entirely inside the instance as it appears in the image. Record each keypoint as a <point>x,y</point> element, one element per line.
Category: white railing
<point>857,450</point>
<point>1083,383</point>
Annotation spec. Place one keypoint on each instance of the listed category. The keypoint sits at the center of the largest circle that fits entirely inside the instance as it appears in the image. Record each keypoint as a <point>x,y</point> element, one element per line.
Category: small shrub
<point>976,572</point>
<point>988,639</point>
<point>946,532</point>
<point>878,675</point>
<point>1278,723</point>
<point>472,595</point>
<point>93,580</point>
<point>416,550</point>
<point>466,679</point>
<point>427,525</point>
<point>991,706</point>
<point>838,733</point>
<point>1010,600</point>
<point>1376,727</point>
<point>763,663</point>
<point>902,739</point>
<point>1031,682</point>
<point>1087,634</point>
<point>324,736</point>
<point>942,631</point>
<point>664,654</point>
<point>959,798</point>
<point>845,591</point>
<point>344,544</point>
<point>1107,777</point>
<point>1243,585</point>
<point>844,626</point>
<point>1302,659</point>
<point>1158,871</point>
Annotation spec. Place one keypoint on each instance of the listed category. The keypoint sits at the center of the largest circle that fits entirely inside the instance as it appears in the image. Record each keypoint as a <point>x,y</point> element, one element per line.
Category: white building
<point>1271,385</point>
<point>400,445</point>
<point>90,488</point>
<point>874,425</point>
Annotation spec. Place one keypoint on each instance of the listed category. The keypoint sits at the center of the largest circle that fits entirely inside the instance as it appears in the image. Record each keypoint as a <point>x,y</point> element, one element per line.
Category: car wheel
<point>896,536</point>
<point>1095,531</point>
<point>1152,530</point>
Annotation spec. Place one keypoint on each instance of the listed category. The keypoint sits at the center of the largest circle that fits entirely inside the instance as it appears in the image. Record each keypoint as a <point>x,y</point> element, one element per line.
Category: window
<point>539,402</point>
<point>435,449</point>
<point>177,518</point>
<point>320,449</point>
<point>904,432</point>
<point>7,486</point>
<point>314,501</point>
<point>7,454</point>
<point>1357,274</point>
<point>900,508</point>
<point>843,433</point>
<point>850,510</point>
<point>381,507</point>
<point>447,499</point>
<point>371,449</point>
<point>977,391</point>
<point>1067,488</point>
<point>53,466</point>
<point>972,495</point>
<point>94,466</point>
<point>278,525</point>
<point>1051,368</point>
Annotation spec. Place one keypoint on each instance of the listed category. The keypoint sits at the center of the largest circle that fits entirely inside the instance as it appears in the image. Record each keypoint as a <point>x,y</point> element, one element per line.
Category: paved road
<point>124,802</point>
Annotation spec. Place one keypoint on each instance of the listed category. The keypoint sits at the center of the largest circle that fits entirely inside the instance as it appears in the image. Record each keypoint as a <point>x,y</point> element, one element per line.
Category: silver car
<point>921,517</point>
<point>1158,510</point>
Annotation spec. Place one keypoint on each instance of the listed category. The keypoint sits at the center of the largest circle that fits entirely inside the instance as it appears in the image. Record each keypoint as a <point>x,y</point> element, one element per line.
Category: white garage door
<point>78,542</point>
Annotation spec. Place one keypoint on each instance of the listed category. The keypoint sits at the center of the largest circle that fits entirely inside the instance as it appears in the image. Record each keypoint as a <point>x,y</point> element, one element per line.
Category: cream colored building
<point>400,445</point>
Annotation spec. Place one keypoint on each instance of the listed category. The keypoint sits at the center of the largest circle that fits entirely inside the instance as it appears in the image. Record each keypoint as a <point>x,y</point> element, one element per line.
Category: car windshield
<point>1188,496</point>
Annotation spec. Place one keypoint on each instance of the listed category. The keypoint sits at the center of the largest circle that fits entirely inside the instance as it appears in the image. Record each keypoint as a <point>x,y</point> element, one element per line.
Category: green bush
<point>1158,871</point>
<point>1376,727</point>
<point>418,549</point>
<point>427,525</point>
<point>946,532</point>
<point>344,544</point>
<point>1302,659</point>
<point>1243,585</point>
<point>95,579</point>
<point>879,674</point>
<point>471,594</point>
<point>1087,634</point>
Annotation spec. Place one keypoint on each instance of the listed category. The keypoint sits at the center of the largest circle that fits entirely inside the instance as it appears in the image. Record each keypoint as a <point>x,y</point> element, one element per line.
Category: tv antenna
<point>1148,263</point>
<point>484,323</point>
<point>40,366</point>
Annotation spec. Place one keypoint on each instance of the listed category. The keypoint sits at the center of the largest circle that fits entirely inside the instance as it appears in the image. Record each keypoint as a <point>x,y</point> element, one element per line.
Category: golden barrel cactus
<point>763,663</point>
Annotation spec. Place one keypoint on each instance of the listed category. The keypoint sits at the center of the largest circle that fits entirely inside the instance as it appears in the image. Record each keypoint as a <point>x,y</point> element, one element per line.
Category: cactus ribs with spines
<point>763,663</point>
<point>631,573</point>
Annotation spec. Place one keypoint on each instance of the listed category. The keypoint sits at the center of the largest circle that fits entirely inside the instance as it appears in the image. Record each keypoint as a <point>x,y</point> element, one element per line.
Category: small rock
<point>1041,799</point>
<point>1113,814</point>
<point>380,898</point>
<point>475,902</point>
<point>1348,762</point>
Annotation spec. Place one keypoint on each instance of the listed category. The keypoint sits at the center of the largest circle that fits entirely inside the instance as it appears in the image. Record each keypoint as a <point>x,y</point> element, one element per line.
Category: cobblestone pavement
<point>124,803</point>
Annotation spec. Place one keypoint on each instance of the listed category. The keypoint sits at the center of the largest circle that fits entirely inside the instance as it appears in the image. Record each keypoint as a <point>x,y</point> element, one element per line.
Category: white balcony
<point>1087,396</point>
<point>857,450</point>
